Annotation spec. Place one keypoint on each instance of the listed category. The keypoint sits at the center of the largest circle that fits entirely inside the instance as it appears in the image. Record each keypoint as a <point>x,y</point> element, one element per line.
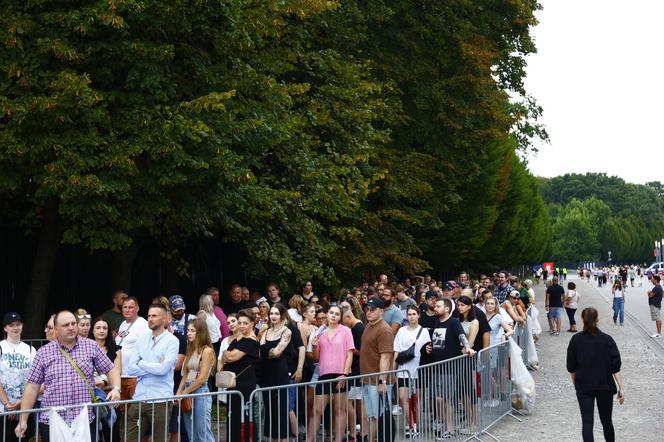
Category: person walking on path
<point>655,303</point>
<point>618,302</point>
<point>553,304</point>
<point>571,304</point>
<point>593,361</point>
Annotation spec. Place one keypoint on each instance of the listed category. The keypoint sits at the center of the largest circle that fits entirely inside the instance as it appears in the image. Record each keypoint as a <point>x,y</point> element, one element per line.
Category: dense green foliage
<point>594,213</point>
<point>327,139</point>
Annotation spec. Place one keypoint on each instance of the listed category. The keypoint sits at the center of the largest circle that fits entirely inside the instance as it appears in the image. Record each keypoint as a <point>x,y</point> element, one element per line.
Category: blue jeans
<point>619,309</point>
<point>198,422</point>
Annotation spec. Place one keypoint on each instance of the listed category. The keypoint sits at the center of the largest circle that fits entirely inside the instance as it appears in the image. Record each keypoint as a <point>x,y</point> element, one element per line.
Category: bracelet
<point>298,369</point>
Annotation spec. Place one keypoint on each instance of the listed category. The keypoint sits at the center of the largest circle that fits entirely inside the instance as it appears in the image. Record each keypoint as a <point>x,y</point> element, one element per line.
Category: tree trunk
<point>42,272</point>
<point>122,263</point>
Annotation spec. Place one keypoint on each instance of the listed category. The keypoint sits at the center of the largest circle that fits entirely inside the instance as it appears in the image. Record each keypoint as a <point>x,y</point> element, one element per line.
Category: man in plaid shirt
<point>63,385</point>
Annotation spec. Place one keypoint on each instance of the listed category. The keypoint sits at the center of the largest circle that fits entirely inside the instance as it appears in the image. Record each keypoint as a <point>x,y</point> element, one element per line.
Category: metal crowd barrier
<point>447,399</point>
<point>160,418</point>
<point>457,399</point>
<point>494,387</point>
<point>322,410</point>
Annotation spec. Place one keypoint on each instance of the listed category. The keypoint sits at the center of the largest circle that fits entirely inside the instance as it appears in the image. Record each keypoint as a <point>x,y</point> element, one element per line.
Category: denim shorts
<point>372,401</point>
<point>556,312</point>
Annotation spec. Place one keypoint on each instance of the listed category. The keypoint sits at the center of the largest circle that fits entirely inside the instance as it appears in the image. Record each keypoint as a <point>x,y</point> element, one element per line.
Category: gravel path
<point>556,416</point>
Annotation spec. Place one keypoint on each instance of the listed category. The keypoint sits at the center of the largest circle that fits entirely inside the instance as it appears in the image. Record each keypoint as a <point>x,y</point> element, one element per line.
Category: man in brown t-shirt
<point>376,356</point>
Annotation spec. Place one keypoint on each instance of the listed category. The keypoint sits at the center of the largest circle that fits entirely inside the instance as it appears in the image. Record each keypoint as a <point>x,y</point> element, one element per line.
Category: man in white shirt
<point>152,362</point>
<point>130,330</point>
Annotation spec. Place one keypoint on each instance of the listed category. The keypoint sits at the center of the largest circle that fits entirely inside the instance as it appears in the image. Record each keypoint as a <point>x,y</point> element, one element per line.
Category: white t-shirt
<point>127,336</point>
<point>15,362</point>
<point>213,325</point>
<point>617,294</point>
<point>573,297</point>
<point>295,315</point>
<point>403,340</point>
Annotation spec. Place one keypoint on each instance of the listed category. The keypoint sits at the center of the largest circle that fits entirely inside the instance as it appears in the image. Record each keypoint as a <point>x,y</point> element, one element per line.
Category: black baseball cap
<point>11,317</point>
<point>376,302</point>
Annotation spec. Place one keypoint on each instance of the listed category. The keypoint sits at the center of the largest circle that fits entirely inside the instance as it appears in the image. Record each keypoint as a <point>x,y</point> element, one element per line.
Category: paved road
<point>556,416</point>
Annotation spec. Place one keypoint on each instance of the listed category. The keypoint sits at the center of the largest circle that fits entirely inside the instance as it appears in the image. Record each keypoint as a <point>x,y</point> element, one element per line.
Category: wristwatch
<point>116,388</point>
<point>382,381</point>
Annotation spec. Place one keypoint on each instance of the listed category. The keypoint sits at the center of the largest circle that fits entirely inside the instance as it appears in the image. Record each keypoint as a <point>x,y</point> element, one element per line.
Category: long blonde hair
<point>201,341</point>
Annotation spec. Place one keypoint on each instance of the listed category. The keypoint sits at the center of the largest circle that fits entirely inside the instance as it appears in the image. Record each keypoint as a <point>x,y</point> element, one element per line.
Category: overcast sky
<point>598,75</point>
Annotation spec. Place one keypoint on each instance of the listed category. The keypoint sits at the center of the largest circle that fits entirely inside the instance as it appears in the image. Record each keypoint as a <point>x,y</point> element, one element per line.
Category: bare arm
<point>233,355</point>
<point>203,370</point>
<point>621,387</point>
<point>281,346</point>
<point>474,329</point>
<point>27,402</point>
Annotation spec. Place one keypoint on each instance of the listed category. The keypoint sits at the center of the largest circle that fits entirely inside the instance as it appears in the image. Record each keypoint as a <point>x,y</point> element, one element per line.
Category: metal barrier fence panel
<point>494,385</point>
<point>446,400</point>
<point>340,409</point>
<point>214,416</point>
<point>456,399</point>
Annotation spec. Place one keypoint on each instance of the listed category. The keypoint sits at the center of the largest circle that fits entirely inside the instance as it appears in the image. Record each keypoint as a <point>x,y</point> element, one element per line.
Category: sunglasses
<point>83,317</point>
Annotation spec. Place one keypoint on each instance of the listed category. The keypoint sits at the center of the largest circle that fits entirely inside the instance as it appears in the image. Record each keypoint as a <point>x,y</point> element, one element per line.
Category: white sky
<point>598,75</point>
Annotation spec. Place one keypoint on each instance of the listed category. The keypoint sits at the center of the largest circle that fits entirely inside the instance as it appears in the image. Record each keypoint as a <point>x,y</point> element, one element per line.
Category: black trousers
<point>604,407</point>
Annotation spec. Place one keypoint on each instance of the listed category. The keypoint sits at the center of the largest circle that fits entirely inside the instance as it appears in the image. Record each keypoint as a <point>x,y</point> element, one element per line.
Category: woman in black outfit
<point>242,358</point>
<point>593,360</point>
<point>100,333</point>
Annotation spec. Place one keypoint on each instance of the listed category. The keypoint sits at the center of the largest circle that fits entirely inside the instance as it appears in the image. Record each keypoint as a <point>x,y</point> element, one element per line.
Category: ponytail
<point>589,316</point>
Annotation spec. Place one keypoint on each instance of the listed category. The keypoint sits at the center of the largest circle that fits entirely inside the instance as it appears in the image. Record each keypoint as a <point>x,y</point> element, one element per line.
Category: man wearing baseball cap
<point>428,309</point>
<point>180,317</point>
<point>15,360</point>
<point>376,356</point>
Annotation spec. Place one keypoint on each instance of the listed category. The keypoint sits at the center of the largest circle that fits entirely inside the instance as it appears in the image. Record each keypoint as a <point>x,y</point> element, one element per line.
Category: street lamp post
<point>657,251</point>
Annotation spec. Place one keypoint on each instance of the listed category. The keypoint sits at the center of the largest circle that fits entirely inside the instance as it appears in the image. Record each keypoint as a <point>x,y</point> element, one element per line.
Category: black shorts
<point>328,387</point>
<point>403,382</point>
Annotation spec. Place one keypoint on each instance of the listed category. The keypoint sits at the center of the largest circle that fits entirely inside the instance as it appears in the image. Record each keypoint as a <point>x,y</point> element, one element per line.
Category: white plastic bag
<point>79,431</point>
<point>534,315</point>
<point>523,393</point>
<point>533,359</point>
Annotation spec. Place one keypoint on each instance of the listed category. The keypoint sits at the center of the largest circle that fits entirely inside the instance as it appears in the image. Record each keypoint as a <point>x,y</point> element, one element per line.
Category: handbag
<point>409,353</point>
<point>227,379</point>
<point>103,411</point>
<point>186,404</point>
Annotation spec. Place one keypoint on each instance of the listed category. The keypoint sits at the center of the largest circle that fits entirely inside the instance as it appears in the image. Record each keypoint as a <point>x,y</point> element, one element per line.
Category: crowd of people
<point>266,341</point>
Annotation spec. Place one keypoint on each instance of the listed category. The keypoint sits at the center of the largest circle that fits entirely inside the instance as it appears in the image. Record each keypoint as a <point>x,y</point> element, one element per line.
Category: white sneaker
<point>656,335</point>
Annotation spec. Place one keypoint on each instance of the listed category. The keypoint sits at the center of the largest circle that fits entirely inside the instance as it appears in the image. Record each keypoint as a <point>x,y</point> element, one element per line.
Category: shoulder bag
<point>409,353</point>
<point>228,379</point>
<point>96,395</point>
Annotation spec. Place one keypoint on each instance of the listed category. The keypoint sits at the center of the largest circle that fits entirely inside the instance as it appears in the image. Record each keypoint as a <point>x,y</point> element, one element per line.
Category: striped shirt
<point>63,384</point>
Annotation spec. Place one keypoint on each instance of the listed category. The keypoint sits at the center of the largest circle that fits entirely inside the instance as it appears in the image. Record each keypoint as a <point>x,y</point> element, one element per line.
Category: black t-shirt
<point>657,299</point>
<point>357,331</point>
<point>556,293</point>
<point>246,366</point>
<point>292,351</point>
<point>231,307</point>
<point>282,300</point>
<point>427,321</point>
<point>445,339</point>
<point>484,328</point>
<point>182,350</point>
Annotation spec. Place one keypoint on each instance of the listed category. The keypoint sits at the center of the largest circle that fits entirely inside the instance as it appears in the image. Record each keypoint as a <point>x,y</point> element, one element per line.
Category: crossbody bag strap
<point>418,334</point>
<point>128,328</point>
<point>81,374</point>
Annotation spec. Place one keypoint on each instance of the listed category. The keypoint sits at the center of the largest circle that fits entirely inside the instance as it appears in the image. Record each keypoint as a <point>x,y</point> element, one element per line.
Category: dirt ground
<point>556,416</point>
